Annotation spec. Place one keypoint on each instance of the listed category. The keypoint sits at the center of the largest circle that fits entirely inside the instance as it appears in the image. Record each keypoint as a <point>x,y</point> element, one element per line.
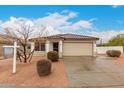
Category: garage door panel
<point>77,49</point>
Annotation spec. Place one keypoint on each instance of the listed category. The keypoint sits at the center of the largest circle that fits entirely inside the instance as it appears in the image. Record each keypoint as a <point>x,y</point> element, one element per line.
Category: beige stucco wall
<point>1,50</point>
<point>39,53</point>
<point>103,49</point>
<point>51,46</point>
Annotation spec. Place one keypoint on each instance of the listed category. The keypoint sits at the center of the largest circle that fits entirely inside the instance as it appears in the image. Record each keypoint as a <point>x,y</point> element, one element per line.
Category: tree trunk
<point>25,56</point>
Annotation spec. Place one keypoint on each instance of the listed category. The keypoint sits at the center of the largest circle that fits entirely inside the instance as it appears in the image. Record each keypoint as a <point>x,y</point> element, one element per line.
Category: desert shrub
<point>108,52</point>
<point>53,56</point>
<point>113,53</point>
<point>44,67</point>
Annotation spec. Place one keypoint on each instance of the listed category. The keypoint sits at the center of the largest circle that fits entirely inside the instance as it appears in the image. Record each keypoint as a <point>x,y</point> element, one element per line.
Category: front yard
<point>101,71</point>
<point>27,76</point>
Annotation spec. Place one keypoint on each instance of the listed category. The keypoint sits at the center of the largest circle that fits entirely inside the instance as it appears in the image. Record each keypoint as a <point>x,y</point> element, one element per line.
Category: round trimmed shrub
<point>113,53</point>
<point>53,56</point>
<point>44,67</point>
<point>108,52</point>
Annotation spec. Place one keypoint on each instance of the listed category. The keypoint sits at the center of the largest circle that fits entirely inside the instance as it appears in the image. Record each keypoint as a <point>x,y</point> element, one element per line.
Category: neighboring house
<point>65,45</point>
<point>3,41</point>
<point>120,35</point>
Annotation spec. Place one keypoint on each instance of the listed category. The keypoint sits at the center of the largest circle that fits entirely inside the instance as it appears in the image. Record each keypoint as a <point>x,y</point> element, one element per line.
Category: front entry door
<point>56,46</point>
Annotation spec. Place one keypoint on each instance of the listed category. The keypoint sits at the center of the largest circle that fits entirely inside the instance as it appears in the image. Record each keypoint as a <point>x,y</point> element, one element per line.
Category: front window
<point>43,47</point>
<point>39,46</point>
<point>36,47</point>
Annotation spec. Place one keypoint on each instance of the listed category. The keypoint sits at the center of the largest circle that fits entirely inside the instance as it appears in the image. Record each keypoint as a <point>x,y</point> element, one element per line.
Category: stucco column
<point>47,46</point>
<point>32,46</point>
<point>94,49</point>
<point>60,48</point>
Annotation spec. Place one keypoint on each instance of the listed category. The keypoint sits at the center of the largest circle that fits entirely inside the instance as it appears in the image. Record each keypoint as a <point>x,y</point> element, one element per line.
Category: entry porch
<point>42,47</point>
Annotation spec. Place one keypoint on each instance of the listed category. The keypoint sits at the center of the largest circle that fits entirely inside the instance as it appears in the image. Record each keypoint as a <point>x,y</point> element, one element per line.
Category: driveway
<point>94,72</point>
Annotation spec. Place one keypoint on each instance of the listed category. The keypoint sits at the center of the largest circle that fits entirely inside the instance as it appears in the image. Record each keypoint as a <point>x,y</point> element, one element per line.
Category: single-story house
<point>65,45</point>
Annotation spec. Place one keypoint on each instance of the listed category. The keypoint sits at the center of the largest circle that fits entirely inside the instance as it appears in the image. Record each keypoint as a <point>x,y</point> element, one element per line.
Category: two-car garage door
<point>77,49</point>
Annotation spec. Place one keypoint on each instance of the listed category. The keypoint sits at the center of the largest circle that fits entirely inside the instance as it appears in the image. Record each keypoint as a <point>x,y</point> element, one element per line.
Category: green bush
<point>53,56</point>
<point>44,67</point>
<point>113,53</point>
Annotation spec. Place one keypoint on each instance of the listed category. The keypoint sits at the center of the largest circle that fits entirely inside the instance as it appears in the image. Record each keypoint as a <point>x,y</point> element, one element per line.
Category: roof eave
<point>80,39</point>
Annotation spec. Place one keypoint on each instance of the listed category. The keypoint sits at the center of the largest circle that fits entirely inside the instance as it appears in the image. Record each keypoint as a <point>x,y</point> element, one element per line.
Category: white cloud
<point>83,24</point>
<point>106,35</point>
<point>93,19</point>
<point>79,25</point>
<point>56,23</point>
<point>72,14</point>
<point>50,31</point>
<point>1,22</point>
<point>65,11</point>
<point>45,31</point>
<point>60,21</point>
<point>14,22</point>
<point>56,19</point>
<point>116,6</point>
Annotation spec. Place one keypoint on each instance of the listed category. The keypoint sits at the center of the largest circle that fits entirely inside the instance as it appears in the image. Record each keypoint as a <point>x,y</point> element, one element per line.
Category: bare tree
<point>21,36</point>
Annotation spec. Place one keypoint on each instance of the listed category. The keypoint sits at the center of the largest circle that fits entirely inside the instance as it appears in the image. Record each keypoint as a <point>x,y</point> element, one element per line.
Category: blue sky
<point>105,15</point>
<point>78,19</point>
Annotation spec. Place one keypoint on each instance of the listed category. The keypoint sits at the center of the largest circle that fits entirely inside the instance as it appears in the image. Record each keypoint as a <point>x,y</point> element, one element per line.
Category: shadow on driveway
<point>98,71</point>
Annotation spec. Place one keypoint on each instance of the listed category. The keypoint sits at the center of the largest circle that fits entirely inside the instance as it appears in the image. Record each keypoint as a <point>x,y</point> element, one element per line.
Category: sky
<point>96,20</point>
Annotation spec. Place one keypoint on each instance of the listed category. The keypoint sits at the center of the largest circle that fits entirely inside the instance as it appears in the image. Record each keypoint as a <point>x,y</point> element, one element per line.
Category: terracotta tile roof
<point>72,36</point>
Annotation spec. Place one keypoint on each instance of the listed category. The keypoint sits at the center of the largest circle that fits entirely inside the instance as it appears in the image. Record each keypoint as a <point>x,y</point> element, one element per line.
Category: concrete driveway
<point>94,72</point>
